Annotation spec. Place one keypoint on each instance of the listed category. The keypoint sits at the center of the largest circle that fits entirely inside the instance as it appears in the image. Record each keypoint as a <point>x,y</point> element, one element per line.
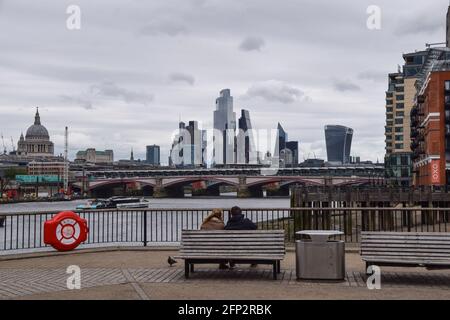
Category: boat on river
<point>115,202</point>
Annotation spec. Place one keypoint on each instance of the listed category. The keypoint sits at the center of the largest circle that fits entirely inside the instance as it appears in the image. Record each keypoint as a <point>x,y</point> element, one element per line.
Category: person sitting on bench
<point>239,222</point>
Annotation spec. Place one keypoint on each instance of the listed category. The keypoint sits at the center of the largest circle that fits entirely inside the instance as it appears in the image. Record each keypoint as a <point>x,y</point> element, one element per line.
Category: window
<point>389,123</point>
<point>389,130</point>
<point>389,144</point>
<point>389,102</point>
<point>399,146</point>
<point>447,99</point>
<point>400,105</point>
<point>405,160</point>
<point>389,116</point>
<point>399,121</point>
<point>389,94</point>
<point>400,114</point>
<point>399,129</point>
<point>399,138</point>
<point>393,161</point>
<point>389,109</point>
<point>400,97</point>
<point>447,85</point>
<point>405,172</point>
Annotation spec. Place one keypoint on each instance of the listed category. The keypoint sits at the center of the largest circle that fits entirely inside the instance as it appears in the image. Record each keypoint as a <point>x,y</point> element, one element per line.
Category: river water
<point>24,233</point>
<point>164,203</point>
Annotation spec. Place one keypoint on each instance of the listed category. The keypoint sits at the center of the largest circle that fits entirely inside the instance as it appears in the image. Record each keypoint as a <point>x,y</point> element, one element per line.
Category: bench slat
<point>408,254</point>
<point>255,251</point>
<point>230,257</point>
<point>233,236</point>
<point>382,242</point>
<point>280,231</point>
<point>420,248</point>
<point>396,233</point>
<point>413,262</point>
<point>234,247</point>
<point>406,237</point>
<point>365,250</point>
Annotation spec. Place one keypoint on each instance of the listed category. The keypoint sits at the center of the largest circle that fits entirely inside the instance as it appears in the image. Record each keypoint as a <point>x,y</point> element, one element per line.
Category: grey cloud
<point>85,103</point>
<point>307,46</point>
<point>106,89</point>
<point>274,90</point>
<point>343,86</point>
<point>182,77</point>
<point>419,23</point>
<point>109,89</point>
<point>252,44</point>
<point>376,76</point>
<point>165,27</point>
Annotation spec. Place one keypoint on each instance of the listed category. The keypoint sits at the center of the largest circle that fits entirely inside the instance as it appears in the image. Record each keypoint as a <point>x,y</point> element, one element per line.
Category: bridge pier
<point>242,189</point>
<point>160,192</point>
<point>280,192</point>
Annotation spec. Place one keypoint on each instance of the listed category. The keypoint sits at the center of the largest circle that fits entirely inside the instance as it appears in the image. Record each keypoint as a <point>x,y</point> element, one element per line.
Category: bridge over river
<point>246,182</point>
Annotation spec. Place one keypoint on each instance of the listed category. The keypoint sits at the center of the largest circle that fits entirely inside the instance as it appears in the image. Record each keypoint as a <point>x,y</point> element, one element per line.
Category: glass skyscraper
<point>153,155</point>
<point>339,142</point>
<point>225,129</point>
<point>246,149</point>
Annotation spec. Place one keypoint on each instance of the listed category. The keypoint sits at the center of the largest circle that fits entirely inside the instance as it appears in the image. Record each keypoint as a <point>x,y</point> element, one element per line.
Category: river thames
<point>23,227</point>
<point>161,203</point>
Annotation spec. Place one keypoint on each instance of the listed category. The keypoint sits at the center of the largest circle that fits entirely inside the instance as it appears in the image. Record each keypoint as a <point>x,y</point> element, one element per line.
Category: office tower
<point>187,146</point>
<point>204,143</point>
<point>245,144</point>
<point>193,144</point>
<point>293,147</point>
<point>225,129</point>
<point>153,156</point>
<point>339,142</point>
<point>281,138</point>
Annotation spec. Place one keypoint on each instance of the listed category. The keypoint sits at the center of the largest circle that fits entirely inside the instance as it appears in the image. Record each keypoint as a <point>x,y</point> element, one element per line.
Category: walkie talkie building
<point>339,142</point>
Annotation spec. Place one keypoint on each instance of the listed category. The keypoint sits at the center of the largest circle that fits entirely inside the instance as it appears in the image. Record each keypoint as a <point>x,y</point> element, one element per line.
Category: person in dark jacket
<point>238,221</point>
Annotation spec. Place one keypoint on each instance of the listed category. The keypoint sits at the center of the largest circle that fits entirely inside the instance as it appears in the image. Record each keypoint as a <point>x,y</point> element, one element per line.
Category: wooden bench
<point>424,249</point>
<point>221,246</point>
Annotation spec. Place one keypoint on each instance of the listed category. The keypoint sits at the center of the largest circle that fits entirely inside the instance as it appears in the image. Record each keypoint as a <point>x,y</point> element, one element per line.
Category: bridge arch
<point>176,182</point>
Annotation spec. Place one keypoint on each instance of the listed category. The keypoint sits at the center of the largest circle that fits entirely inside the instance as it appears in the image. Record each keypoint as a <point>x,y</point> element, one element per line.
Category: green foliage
<point>11,173</point>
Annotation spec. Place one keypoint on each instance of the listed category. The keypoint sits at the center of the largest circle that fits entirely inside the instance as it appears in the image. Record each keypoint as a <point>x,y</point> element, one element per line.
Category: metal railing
<point>146,227</point>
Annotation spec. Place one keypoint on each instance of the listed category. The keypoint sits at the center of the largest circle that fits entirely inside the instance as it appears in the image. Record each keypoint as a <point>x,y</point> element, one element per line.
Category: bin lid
<point>320,235</point>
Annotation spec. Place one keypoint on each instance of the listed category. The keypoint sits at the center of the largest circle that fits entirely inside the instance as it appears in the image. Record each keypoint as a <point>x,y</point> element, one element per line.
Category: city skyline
<point>133,98</point>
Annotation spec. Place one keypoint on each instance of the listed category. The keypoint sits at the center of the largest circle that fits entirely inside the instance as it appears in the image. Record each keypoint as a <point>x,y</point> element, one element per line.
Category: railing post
<point>145,227</point>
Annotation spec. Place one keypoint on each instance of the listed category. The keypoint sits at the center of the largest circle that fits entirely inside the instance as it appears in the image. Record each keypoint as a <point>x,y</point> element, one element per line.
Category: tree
<point>8,175</point>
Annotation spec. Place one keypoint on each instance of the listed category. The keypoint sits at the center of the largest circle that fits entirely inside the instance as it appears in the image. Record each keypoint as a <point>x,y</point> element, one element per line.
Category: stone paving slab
<point>23,282</point>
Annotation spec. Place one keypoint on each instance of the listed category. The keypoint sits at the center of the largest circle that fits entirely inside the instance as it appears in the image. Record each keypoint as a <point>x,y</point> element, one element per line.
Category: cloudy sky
<point>136,67</point>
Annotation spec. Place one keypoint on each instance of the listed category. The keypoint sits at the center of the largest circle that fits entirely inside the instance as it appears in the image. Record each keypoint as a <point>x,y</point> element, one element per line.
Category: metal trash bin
<point>320,258</point>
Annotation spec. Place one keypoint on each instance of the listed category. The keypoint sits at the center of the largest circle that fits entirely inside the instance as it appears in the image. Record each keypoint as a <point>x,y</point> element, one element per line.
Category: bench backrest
<point>232,243</point>
<point>406,245</point>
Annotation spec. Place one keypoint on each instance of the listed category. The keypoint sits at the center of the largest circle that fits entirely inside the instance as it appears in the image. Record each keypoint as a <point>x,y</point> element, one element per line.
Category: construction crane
<point>4,146</point>
<point>66,164</point>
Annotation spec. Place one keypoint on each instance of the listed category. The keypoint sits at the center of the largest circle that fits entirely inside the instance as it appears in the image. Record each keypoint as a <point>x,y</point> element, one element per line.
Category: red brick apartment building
<point>430,131</point>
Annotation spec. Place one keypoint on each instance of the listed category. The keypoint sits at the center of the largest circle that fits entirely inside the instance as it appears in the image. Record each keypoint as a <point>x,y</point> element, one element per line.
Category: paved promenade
<point>146,275</point>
